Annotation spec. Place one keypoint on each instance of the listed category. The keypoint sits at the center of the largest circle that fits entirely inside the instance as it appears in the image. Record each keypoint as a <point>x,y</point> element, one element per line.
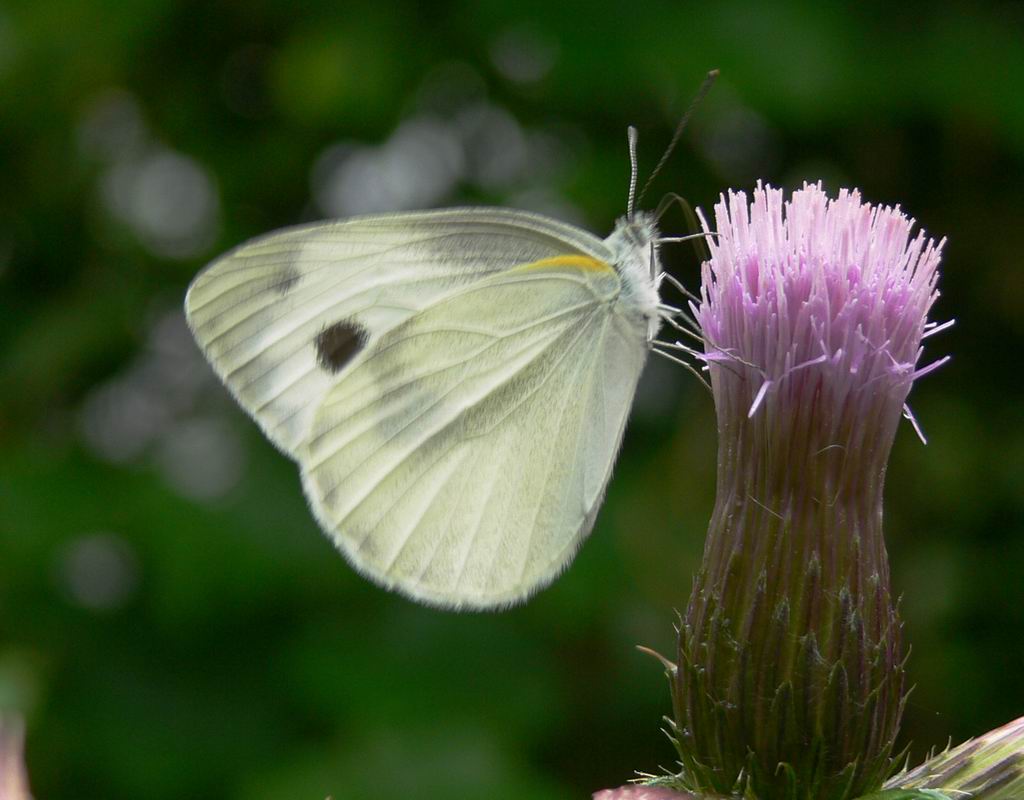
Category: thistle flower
<point>635,792</point>
<point>789,679</point>
<point>13,781</point>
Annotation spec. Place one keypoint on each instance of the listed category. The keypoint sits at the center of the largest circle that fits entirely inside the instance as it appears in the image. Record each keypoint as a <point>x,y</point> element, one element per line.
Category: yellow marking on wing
<point>580,262</point>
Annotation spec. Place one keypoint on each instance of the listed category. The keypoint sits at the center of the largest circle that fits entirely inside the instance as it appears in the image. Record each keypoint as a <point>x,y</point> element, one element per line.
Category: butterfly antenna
<point>631,200</point>
<point>704,89</point>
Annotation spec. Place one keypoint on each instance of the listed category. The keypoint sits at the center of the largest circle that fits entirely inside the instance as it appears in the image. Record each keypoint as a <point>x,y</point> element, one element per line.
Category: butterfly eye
<point>338,344</point>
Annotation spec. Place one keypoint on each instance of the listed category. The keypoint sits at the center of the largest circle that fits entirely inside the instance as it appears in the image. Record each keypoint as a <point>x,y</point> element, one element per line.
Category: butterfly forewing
<point>258,311</point>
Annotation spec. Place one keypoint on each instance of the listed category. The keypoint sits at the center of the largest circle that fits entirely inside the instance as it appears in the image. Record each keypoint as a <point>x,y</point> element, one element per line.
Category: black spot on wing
<point>284,282</point>
<point>338,344</point>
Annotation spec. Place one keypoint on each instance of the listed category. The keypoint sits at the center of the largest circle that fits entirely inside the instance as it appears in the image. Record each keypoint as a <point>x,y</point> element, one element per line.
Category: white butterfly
<point>453,384</point>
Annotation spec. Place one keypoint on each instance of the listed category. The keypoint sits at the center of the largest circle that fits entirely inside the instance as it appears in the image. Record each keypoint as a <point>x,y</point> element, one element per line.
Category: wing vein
<point>479,523</point>
<point>539,502</point>
<point>433,499</point>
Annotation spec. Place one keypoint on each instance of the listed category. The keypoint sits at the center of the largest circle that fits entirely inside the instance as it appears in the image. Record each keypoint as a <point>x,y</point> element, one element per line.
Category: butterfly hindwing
<point>462,457</point>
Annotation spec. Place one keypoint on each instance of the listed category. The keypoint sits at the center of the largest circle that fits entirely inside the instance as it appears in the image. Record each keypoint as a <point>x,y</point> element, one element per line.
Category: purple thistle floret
<point>13,780</point>
<point>838,285</point>
<point>789,677</point>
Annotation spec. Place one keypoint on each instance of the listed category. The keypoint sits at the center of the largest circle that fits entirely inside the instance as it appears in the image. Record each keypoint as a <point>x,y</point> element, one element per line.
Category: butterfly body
<point>453,385</point>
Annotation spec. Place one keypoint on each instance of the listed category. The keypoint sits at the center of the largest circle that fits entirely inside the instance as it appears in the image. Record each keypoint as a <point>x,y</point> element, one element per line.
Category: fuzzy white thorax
<point>634,254</point>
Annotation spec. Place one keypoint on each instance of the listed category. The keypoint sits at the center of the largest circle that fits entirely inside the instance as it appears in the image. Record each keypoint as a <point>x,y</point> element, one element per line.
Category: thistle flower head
<point>817,290</point>
<point>789,677</point>
<point>13,781</point>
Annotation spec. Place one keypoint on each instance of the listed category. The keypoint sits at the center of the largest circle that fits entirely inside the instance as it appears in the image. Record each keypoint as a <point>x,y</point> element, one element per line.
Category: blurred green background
<point>172,622</point>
